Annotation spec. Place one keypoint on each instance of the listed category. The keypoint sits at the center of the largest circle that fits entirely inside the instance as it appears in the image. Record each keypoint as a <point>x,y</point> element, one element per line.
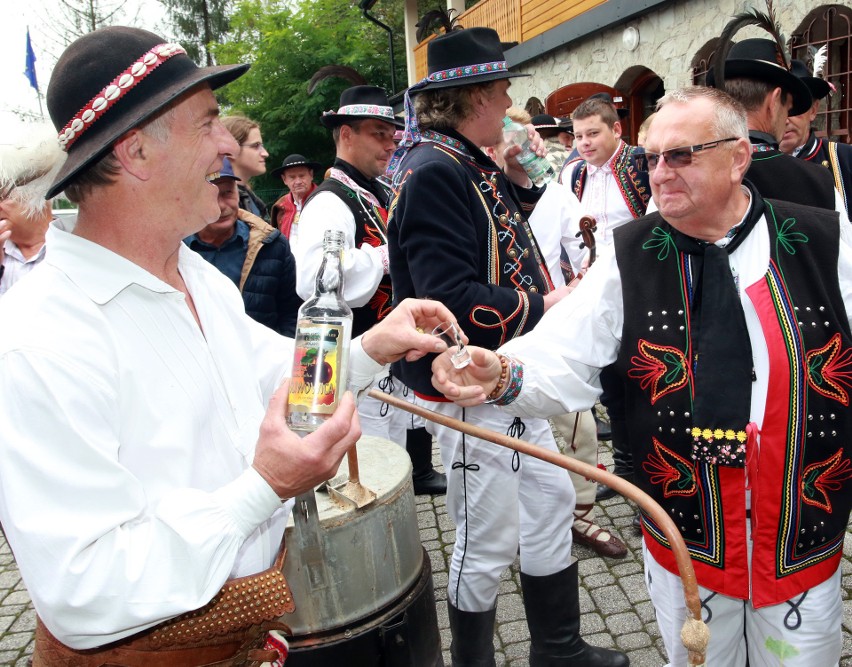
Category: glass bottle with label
<point>323,331</point>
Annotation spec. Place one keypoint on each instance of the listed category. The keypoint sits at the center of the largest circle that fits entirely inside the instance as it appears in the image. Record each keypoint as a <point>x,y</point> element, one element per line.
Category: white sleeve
<point>563,355</point>
<point>363,268</point>
<point>101,560</point>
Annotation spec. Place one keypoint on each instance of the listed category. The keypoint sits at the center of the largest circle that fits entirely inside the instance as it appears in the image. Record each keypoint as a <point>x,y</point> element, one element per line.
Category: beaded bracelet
<point>501,382</point>
<point>511,381</point>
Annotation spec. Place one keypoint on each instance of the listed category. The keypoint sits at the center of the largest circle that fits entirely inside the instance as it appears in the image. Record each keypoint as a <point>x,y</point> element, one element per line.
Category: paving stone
<point>614,603</point>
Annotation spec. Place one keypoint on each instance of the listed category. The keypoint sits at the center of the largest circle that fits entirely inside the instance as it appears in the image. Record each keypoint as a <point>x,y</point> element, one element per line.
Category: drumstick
<point>695,633</point>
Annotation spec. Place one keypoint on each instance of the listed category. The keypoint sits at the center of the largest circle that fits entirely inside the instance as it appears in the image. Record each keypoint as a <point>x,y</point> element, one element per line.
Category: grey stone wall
<point>669,39</point>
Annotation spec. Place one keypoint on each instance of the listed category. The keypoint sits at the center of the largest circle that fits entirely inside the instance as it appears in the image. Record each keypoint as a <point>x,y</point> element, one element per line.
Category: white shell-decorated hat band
<point>120,86</point>
<point>363,110</point>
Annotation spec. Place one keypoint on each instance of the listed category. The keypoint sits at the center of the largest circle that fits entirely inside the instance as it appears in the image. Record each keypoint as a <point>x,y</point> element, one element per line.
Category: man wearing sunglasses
<point>726,316</point>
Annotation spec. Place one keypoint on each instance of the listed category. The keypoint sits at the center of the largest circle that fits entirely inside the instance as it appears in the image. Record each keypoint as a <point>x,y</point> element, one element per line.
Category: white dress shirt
<point>555,224</point>
<point>126,487</point>
<point>602,199</point>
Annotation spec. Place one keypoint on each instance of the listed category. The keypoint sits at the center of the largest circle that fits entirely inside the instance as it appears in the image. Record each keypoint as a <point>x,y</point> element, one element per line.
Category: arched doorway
<point>701,63</point>
<point>641,88</point>
<point>562,101</point>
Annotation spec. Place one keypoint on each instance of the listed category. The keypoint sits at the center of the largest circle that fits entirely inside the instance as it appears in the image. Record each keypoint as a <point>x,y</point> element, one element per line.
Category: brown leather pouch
<point>228,630</point>
<point>242,602</point>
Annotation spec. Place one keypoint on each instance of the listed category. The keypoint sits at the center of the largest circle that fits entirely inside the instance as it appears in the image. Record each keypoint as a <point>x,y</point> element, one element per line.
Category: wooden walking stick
<point>695,635</point>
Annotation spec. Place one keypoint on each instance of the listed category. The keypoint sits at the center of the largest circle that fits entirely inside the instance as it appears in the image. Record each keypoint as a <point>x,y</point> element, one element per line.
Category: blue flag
<point>30,70</point>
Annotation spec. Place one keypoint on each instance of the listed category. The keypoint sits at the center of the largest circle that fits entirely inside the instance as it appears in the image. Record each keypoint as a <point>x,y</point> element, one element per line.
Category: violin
<point>588,227</point>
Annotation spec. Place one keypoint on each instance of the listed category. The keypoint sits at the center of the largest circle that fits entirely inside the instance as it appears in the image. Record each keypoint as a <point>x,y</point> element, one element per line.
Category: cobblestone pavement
<point>616,609</point>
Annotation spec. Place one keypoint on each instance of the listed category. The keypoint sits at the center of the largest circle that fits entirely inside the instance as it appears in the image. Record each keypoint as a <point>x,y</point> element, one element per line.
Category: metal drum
<point>359,575</point>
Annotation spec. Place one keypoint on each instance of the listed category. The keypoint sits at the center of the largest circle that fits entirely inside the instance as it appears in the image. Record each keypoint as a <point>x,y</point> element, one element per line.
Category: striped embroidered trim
<point>117,89</point>
<point>467,70</point>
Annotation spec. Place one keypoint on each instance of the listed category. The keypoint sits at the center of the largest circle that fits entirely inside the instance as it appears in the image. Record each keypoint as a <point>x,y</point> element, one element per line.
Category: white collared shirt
<point>126,486</point>
<point>602,199</point>
<point>16,266</point>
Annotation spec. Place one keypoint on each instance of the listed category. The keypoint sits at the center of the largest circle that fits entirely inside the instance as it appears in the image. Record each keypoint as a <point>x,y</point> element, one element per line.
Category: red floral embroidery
<point>829,370</point>
<point>673,472</point>
<point>661,368</point>
<point>824,476</point>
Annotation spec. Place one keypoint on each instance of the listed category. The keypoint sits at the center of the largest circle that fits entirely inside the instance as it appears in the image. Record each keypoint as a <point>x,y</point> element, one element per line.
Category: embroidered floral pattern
<point>719,446</point>
<point>673,472</point>
<point>662,241</point>
<point>830,370</point>
<point>824,476</point>
<point>661,368</point>
<point>787,237</point>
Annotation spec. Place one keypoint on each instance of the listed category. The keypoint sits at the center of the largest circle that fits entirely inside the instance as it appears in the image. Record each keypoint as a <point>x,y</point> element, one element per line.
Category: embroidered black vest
<point>799,476</point>
<point>370,228</point>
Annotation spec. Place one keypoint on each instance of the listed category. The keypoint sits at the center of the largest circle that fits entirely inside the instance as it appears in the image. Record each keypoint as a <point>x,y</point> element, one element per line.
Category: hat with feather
<point>818,86</point>
<point>758,59</point>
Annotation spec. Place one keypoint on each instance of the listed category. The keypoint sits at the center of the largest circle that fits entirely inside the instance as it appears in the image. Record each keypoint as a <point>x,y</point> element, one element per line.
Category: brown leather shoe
<point>598,539</point>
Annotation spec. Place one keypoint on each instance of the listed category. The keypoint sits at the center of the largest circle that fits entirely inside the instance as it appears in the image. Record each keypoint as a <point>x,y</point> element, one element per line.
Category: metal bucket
<point>345,564</point>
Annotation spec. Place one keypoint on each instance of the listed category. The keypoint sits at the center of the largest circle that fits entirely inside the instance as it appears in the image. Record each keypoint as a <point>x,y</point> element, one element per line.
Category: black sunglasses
<point>675,157</point>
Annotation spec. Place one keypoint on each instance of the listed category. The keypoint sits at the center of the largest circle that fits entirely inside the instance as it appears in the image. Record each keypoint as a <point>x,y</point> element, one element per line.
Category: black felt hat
<point>544,121</point>
<point>360,103</point>
<point>295,160</point>
<point>758,59</point>
<point>464,57</point>
<point>819,87</point>
<point>111,80</point>
<point>566,125</point>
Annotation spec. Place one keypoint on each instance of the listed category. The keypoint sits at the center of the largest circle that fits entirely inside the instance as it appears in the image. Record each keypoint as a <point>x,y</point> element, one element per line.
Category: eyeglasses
<point>6,192</point>
<point>257,145</point>
<point>675,158</point>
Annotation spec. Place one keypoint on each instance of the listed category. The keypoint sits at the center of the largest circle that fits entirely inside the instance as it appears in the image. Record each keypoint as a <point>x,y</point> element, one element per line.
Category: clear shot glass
<point>451,335</point>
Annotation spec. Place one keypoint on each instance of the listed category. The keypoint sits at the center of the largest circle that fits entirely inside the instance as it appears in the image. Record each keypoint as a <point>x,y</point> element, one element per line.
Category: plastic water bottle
<point>537,168</point>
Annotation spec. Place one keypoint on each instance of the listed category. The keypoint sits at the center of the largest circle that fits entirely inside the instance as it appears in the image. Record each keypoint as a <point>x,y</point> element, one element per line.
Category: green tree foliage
<point>287,42</point>
<point>199,24</point>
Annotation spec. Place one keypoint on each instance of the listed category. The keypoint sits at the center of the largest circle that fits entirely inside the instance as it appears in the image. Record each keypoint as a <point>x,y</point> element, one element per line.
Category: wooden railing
<point>514,20</point>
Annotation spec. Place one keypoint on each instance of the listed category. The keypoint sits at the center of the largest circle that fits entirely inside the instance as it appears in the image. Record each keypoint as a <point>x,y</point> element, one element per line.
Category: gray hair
<point>29,161</point>
<point>105,170</point>
<point>729,116</point>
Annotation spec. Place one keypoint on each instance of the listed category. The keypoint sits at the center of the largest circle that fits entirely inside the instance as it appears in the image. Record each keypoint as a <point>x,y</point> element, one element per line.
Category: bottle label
<point>314,386</point>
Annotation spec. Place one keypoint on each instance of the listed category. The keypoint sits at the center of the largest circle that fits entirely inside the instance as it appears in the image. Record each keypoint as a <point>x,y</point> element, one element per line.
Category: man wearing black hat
<point>727,317</point>
<point>770,92</point>
<point>297,173</point>
<point>353,200</point>
<point>550,129</point>
<point>253,254</point>
<point>458,233</point>
<point>135,477</point>
<point>800,139</point>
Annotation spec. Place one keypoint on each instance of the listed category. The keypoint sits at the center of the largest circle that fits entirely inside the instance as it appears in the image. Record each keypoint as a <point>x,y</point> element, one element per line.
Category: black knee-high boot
<point>427,480</point>
<point>552,604</point>
<point>473,637</point>
<point>622,458</point>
